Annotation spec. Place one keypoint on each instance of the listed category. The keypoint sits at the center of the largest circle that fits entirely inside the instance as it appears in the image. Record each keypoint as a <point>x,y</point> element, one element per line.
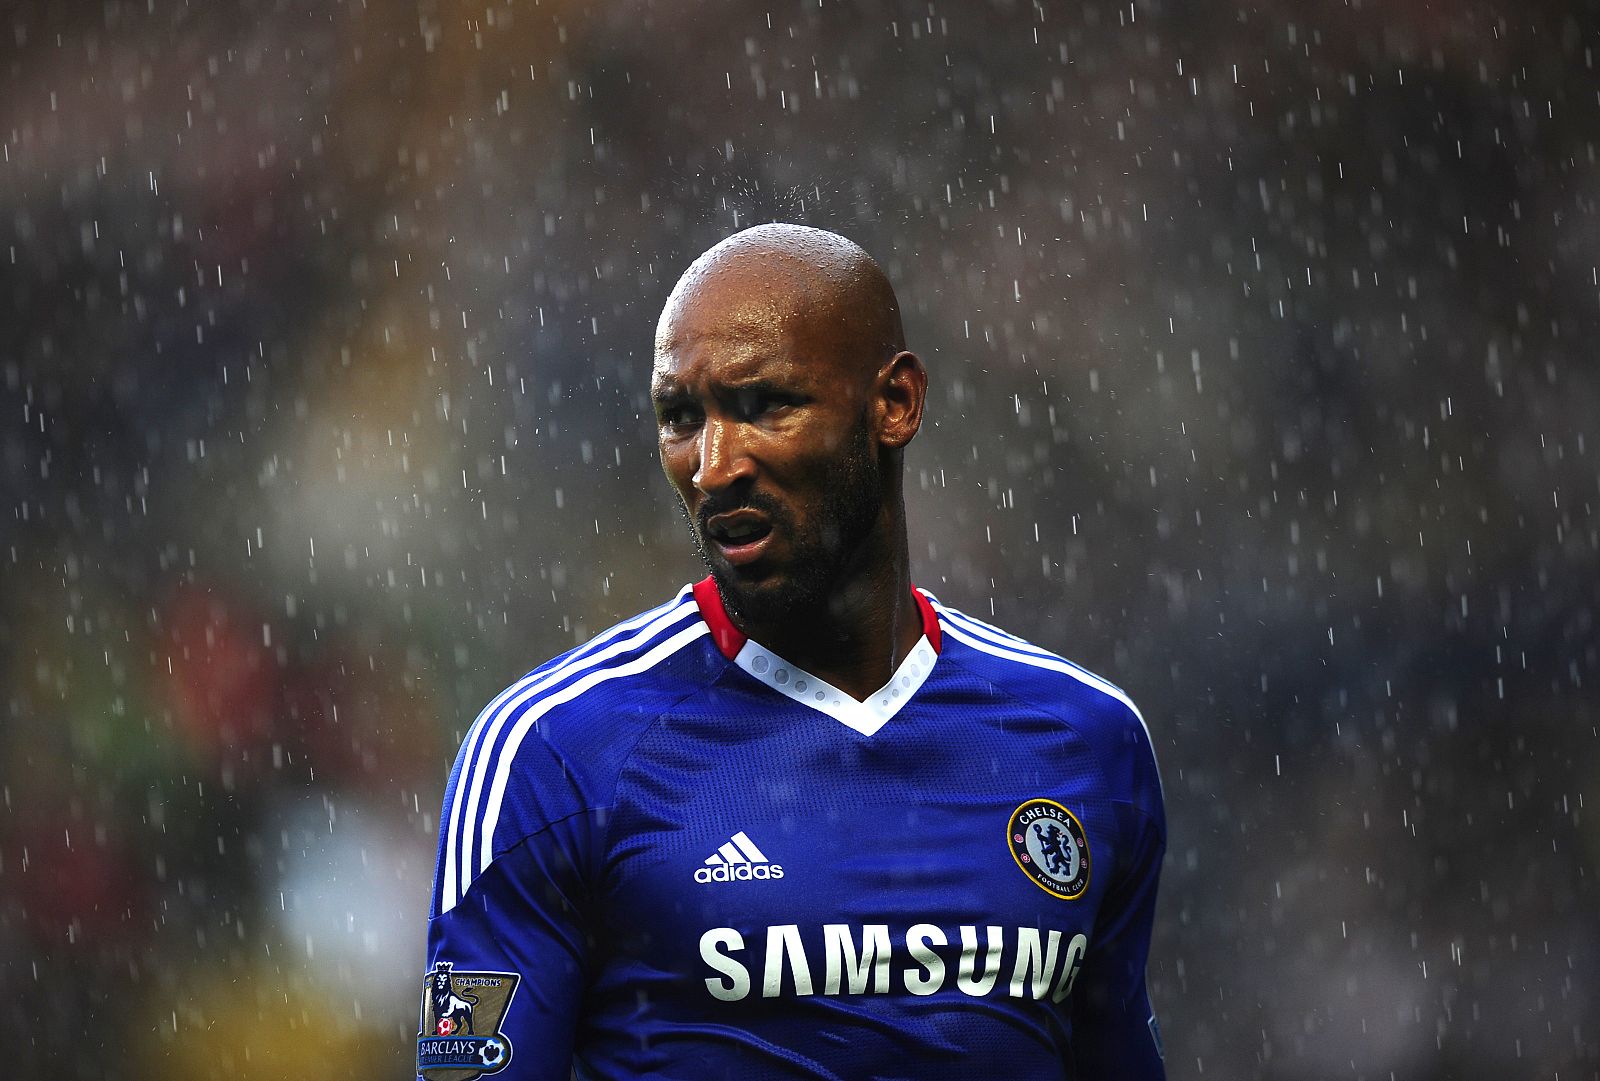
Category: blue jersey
<point>670,853</point>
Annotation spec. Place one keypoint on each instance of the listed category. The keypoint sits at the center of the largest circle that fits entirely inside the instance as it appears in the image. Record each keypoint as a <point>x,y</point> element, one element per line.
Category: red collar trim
<point>930,619</point>
<point>730,640</point>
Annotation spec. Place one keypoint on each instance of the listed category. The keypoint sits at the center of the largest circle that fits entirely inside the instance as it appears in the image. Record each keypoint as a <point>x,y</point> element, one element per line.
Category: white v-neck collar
<point>809,690</point>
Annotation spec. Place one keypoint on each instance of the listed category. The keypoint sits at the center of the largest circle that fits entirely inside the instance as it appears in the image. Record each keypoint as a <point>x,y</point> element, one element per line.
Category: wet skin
<point>781,415</point>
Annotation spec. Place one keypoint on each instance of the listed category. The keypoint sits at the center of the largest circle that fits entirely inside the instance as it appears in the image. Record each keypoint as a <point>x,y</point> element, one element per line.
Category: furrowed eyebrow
<point>664,391</point>
<point>759,386</point>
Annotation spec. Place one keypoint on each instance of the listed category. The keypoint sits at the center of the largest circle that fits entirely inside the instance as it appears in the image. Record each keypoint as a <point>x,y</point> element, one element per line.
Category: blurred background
<point>1265,383</point>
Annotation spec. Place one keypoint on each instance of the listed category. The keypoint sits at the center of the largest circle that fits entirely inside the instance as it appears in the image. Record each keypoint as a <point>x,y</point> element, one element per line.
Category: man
<point>801,821</point>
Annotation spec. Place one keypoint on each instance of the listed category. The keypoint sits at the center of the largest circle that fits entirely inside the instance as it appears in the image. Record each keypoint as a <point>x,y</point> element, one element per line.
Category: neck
<point>858,635</point>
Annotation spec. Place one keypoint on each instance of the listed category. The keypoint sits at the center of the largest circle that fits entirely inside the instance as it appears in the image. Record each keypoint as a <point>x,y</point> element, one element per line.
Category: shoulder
<point>552,744</point>
<point>581,705</point>
<point>620,673</point>
<point>1094,707</point>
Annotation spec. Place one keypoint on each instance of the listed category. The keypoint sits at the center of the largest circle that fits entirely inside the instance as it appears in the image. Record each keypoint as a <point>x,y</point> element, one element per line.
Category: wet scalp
<point>792,274</point>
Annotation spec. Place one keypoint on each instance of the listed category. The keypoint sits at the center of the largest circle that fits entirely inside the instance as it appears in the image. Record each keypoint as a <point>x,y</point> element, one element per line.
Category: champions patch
<point>461,1017</point>
<point>1049,844</point>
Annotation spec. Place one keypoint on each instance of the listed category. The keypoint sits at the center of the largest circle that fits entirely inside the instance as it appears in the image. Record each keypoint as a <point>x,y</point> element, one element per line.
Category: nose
<point>723,460</point>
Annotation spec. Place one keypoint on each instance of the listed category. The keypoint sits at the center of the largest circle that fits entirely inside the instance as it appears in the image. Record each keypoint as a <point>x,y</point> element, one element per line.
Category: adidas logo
<point>737,860</point>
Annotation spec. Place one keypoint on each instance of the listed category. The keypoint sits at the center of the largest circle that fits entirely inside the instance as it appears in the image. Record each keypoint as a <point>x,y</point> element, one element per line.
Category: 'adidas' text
<point>738,860</point>
<point>742,873</point>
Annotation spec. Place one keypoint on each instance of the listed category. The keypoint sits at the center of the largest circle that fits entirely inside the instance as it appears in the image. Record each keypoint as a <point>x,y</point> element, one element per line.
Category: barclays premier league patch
<point>461,1017</point>
<point>1049,844</point>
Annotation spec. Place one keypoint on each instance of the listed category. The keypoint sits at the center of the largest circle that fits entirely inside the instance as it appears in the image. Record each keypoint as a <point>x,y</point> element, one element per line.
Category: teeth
<point>737,534</point>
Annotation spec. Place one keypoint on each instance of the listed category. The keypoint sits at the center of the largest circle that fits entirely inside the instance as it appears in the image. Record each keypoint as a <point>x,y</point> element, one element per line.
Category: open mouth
<point>739,535</point>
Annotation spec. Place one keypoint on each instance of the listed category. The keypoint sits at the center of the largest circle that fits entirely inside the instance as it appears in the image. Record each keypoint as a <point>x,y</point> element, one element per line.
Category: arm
<point>513,951</point>
<point>1114,1031</point>
<point>508,945</point>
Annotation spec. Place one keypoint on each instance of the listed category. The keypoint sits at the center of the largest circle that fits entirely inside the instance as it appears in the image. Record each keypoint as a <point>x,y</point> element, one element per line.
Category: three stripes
<point>736,850</point>
<point>997,643</point>
<point>474,815</point>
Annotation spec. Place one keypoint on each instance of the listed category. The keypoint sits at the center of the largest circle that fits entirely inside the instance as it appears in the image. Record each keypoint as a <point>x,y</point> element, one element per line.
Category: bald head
<point>790,279</point>
<point>784,400</point>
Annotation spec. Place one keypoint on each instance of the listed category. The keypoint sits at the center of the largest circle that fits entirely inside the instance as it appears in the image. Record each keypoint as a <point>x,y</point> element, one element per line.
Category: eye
<point>756,402</point>
<point>677,414</point>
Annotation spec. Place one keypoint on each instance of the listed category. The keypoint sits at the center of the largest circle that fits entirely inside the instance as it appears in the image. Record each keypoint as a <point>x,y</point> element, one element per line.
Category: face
<point>766,431</point>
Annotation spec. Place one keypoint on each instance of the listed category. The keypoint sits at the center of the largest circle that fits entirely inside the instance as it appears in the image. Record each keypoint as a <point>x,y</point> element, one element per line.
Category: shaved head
<point>794,279</point>
<point>784,398</point>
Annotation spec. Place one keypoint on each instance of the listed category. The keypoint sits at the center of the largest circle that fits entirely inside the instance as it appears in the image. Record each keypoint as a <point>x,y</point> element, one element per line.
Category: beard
<point>821,552</point>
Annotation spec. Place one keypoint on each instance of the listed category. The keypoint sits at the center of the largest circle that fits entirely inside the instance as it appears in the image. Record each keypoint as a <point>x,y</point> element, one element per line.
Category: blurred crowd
<point>1264,383</point>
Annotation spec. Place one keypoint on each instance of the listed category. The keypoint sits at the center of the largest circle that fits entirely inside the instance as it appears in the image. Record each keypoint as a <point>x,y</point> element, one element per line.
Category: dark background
<point>1262,342</point>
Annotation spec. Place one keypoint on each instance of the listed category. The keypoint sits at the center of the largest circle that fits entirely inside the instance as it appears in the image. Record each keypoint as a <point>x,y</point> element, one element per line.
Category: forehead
<point>732,325</point>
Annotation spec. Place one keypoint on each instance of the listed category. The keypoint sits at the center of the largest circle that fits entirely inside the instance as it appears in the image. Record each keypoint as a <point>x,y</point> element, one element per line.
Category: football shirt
<point>670,853</point>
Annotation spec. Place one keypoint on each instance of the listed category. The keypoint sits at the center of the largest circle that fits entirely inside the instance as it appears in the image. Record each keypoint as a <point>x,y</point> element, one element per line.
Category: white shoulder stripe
<point>525,724</point>
<point>1006,640</point>
<point>1036,657</point>
<point>1054,664</point>
<point>610,635</point>
<point>481,765</point>
<point>995,634</point>
<point>491,719</point>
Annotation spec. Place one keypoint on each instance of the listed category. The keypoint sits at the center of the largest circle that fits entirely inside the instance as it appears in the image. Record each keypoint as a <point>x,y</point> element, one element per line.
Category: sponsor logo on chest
<point>868,960</point>
<point>1045,840</point>
<point>738,860</point>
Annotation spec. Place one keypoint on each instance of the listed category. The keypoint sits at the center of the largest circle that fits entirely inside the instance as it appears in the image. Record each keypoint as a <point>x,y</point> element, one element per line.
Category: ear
<point>902,389</point>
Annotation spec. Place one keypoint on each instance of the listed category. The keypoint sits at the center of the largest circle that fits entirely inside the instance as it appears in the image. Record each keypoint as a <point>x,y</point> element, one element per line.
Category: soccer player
<point>802,821</point>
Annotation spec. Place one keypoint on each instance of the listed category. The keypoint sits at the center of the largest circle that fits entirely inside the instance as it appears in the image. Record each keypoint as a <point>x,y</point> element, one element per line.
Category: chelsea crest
<point>1049,844</point>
